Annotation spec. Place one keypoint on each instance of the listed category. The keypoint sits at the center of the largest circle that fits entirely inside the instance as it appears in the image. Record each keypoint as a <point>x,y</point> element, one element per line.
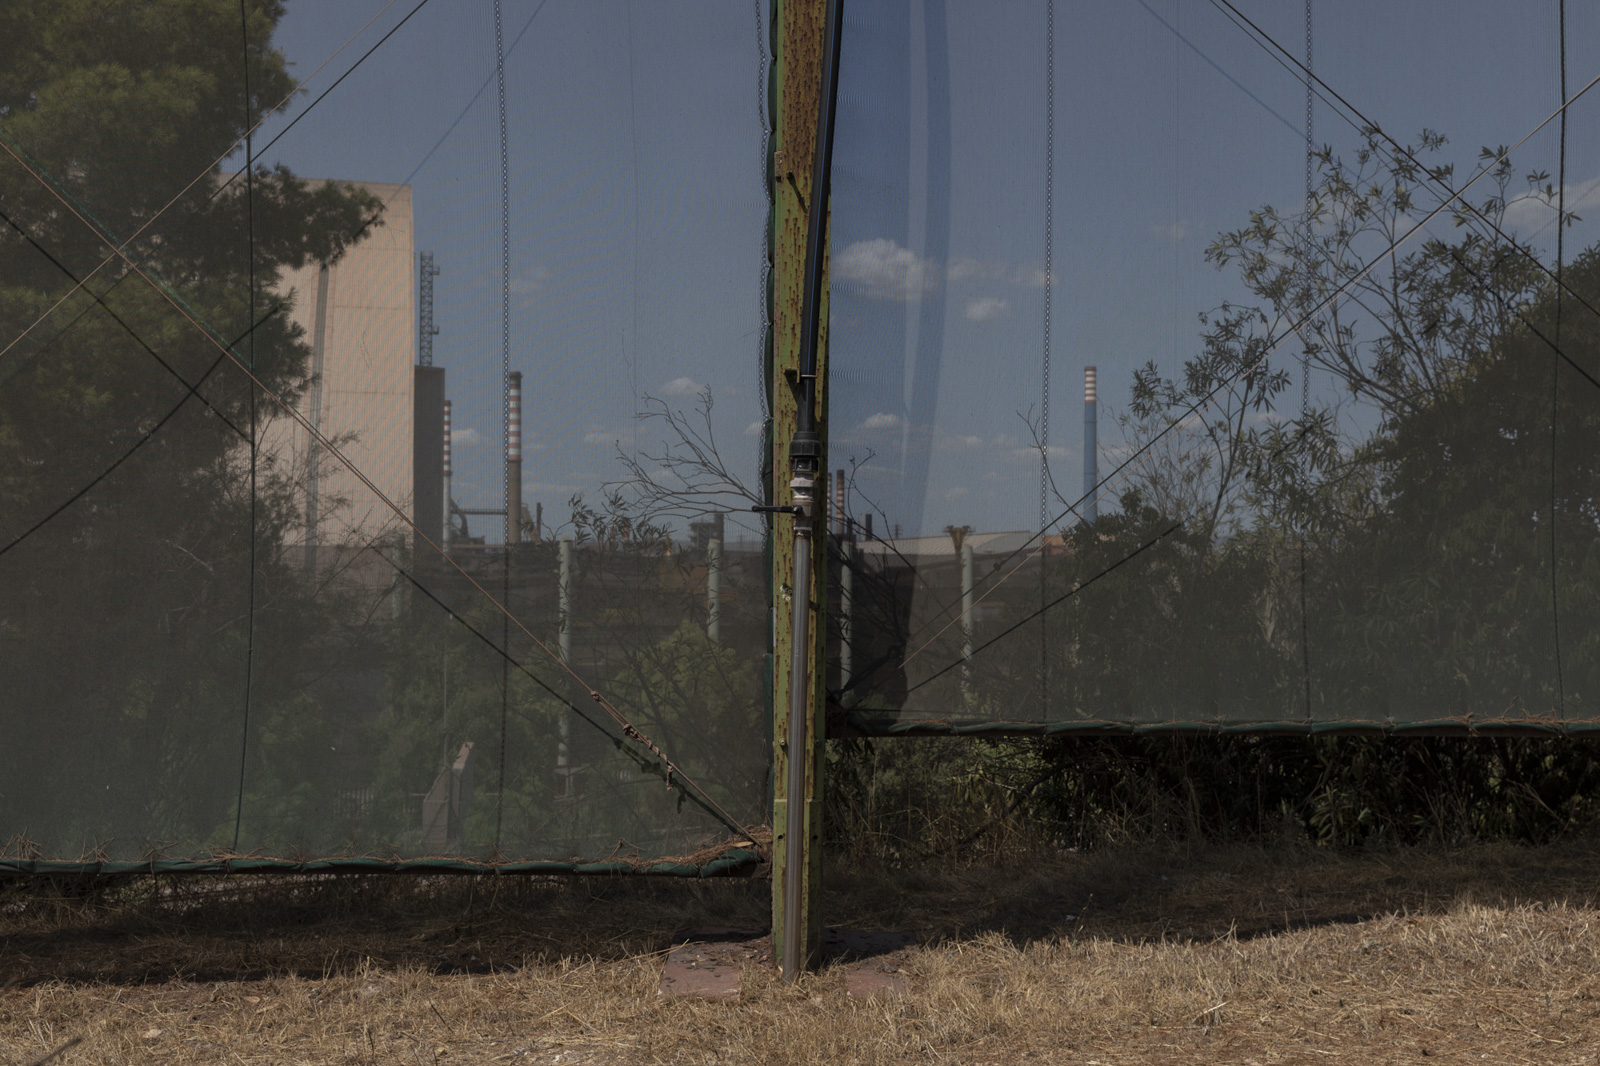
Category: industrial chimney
<point>840,522</point>
<point>446,535</point>
<point>514,460</point>
<point>1091,447</point>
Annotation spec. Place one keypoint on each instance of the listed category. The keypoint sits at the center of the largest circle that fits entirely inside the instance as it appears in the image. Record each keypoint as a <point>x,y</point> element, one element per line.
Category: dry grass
<point>1223,955</point>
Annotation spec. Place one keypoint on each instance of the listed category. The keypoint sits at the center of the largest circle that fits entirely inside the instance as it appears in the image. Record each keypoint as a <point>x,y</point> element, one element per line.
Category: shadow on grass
<point>258,927</point>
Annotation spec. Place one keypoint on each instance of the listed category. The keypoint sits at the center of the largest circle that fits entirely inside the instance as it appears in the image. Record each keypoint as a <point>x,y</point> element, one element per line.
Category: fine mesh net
<point>378,484</point>
<point>252,611</point>
<point>1340,473</point>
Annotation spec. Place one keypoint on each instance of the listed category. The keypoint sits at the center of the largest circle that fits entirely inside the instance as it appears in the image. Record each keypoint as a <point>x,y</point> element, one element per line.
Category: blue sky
<point>637,205</point>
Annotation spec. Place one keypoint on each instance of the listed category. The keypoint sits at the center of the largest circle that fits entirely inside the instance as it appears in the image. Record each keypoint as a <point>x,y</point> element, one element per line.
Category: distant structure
<point>367,395</point>
<point>445,512</point>
<point>430,455</point>
<point>426,330</point>
<point>514,458</point>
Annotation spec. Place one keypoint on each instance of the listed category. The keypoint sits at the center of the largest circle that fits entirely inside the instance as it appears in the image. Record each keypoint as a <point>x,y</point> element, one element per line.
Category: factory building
<point>365,395</point>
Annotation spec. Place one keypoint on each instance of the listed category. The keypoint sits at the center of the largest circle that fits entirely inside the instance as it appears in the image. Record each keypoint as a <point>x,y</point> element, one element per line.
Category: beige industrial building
<point>359,317</point>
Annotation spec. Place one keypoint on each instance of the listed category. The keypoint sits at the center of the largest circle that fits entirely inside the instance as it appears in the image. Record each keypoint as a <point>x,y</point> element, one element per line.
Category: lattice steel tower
<point>426,330</point>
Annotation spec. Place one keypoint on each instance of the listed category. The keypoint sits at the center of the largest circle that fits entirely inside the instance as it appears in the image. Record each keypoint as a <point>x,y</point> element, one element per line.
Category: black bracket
<point>778,509</point>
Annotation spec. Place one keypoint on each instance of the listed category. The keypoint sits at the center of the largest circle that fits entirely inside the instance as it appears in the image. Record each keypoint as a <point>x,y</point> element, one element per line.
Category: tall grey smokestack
<point>446,535</point>
<point>1091,447</point>
<point>514,461</point>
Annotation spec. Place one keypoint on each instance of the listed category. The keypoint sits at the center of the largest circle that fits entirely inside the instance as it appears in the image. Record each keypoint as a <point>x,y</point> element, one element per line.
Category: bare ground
<point>1217,955</point>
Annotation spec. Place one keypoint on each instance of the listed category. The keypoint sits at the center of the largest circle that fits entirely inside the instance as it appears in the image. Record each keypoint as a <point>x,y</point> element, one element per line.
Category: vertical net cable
<point>1311,148</point>
<point>1305,362</point>
<point>512,521</point>
<point>250,594</point>
<point>1555,354</point>
<point>1049,284</point>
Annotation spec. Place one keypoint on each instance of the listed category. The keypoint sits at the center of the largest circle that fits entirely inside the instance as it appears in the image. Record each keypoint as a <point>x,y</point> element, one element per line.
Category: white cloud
<point>525,287</point>
<point>465,437</point>
<point>681,387</point>
<point>1533,216</point>
<point>754,429</point>
<point>601,436</point>
<point>956,493</point>
<point>884,270</point>
<point>982,310</point>
<point>1171,232</point>
<point>883,420</point>
<point>962,269</point>
<point>1030,277</point>
<point>967,268</point>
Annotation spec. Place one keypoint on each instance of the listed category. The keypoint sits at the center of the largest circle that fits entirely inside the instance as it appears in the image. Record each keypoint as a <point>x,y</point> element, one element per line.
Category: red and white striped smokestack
<point>447,441</point>
<point>445,531</point>
<point>840,525</point>
<point>514,420</point>
<point>1091,448</point>
<point>514,458</point>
